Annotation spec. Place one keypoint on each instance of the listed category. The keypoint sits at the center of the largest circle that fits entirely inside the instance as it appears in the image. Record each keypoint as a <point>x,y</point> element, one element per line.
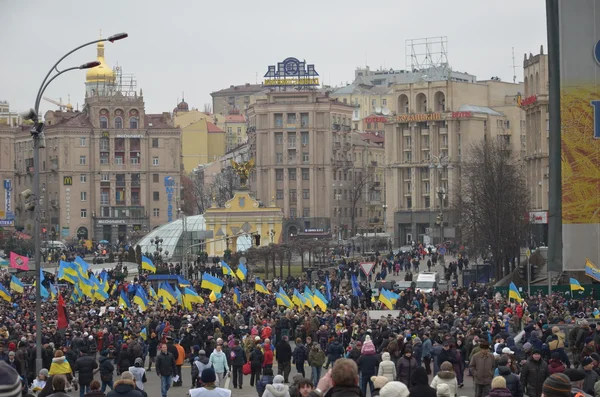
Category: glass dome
<point>173,243</point>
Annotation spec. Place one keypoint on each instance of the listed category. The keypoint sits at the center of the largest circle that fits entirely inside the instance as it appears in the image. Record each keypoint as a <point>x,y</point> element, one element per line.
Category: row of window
<point>305,213</point>
<point>104,160</point>
<point>291,138</point>
<point>293,195</point>
<point>134,143</point>
<point>292,174</point>
<point>118,122</point>
<point>344,211</point>
<point>84,212</point>
<point>291,158</point>
<point>120,178</point>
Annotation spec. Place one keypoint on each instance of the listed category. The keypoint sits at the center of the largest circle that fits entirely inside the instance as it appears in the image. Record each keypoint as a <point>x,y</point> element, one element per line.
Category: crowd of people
<point>445,336</point>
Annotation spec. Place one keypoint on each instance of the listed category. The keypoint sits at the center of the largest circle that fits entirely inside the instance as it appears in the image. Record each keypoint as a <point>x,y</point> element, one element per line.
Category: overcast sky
<point>198,47</point>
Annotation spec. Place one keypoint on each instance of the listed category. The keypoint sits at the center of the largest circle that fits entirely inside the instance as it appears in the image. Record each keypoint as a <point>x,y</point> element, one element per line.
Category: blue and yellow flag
<point>385,299</point>
<point>179,296</point>
<point>53,291</point>
<point>152,293</point>
<point>237,297</point>
<point>591,270</point>
<point>165,291</point>
<point>165,302</point>
<point>309,297</point>
<point>575,286</point>
<point>328,286</point>
<point>241,272</point>
<point>124,300</point>
<point>299,299</point>
<point>596,313</point>
<point>212,283</point>
<point>16,285</point>
<point>82,267</point>
<point>67,272</point>
<point>513,292</point>
<point>4,294</point>
<point>260,287</point>
<point>214,296</point>
<point>320,300</point>
<point>147,264</point>
<point>183,282</point>
<point>144,334</point>
<point>226,269</point>
<point>192,296</point>
<point>221,320</point>
<point>44,292</point>
<point>140,299</point>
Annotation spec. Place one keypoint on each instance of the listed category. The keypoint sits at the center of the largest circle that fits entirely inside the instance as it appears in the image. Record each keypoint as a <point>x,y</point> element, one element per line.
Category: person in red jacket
<point>268,352</point>
<point>266,331</point>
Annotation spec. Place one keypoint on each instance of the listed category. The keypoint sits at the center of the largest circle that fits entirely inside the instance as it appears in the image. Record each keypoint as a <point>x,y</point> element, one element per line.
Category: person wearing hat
<point>106,370</point>
<point>209,389</point>
<point>557,385</point>
<point>126,387</point>
<point>40,382</point>
<point>591,376</point>
<point>534,373</point>
<point>378,383</point>
<point>405,367</point>
<point>446,377</point>
<point>498,388</point>
<point>394,389</point>
<point>139,373</point>
<point>482,367</point>
<point>513,383</point>
<point>152,350</point>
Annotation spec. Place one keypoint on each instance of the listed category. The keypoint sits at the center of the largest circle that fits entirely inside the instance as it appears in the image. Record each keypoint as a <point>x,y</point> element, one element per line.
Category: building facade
<point>309,163</point>
<point>434,123</point>
<point>236,99</point>
<point>7,117</point>
<point>110,172</point>
<point>534,102</point>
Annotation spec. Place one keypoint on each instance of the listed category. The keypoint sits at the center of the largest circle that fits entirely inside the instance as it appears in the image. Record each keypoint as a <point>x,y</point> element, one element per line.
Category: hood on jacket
<point>368,348</point>
<point>203,359</point>
<point>446,375</point>
<point>420,376</point>
<point>500,392</point>
<point>124,386</point>
<point>386,356</point>
<point>59,360</point>
<point>504,370</point>
<point>278,389</point>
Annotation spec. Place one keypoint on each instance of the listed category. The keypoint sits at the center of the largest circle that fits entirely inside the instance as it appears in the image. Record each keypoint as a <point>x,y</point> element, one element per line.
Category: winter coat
<point>256,358</point>
<point>219,362</point>
<point>283,352</point>
<point>95,393</point>
<point>124,361</point>
<point>316,357</point>
<point>299,354</point>
<point>591,377</point>
<point>482,368</point>
<point>513,383</point>
<point>500,392</point>
<point>446,355</point>
<point>165,364</point>
<point>334,351</point>
<point>427,346</point>
<point>278,390</point>
<point>106,369</point>
<point>421,386</point>
<point>268,360</point>
<point>85,365</point>
<point>404,370</point>
<point>533,375</point>
<point>238,356</point>
<point>262,383</point>
<point>367,364</point>
<point>139,376</point>
<point>446,378</point>
<point>60,366</point>
<point>124,388</point>
<point>341,391</point>
<point>387,367</point>
<point>556,366</point>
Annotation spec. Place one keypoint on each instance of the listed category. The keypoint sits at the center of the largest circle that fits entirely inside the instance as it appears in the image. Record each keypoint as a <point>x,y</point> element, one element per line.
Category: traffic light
<point>438,220</point>
<point>256,239</point>
<point>523,271</point>
<point>532,271</point>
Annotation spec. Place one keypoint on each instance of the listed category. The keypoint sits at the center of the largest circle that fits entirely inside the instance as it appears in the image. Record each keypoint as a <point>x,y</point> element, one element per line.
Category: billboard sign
<point>169,190</point>
<point>291,72</point>
<point>8,190</point>
<point>579,23</point>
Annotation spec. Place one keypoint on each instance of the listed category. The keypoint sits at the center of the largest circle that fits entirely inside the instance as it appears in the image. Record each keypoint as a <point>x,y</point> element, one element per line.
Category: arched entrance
<point>292,231</point>
<point>82,233</point>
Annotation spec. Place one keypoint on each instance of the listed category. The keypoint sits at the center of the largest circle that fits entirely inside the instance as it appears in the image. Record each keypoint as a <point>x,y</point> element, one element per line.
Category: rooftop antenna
<point>256,77</point>
<point>514,66</point>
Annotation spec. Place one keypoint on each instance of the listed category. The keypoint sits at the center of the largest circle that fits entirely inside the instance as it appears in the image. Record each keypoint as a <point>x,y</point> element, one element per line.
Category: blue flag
<point>328,285</point>
<point>355,287</point>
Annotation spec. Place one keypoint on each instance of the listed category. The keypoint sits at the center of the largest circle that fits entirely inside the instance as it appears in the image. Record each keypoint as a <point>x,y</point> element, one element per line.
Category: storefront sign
<point>527,101</point>
<point>68,180</point>
<point>6,222</point>
<point>130,136</point>
<point>538,217</point>
<point>436,116</point>
<point>314,230</point>
<point>291,72</point>
<point>111,221</point>
<point>375,119</point>
<point>170,190</point>
<point>65,231</point>
<point>8,213</point>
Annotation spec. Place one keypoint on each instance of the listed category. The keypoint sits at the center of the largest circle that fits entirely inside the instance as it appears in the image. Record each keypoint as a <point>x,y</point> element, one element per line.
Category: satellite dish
<point>385,111</point>
<point>378,110</point>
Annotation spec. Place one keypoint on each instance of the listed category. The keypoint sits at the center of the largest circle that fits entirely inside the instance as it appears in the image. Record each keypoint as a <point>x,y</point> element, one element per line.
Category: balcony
<point>135,201</point>
<point>444,145</point>
<point>135,166</point>
<point>120,183</point>
<point>336,127</point>
<point>443,131</point>
<point>424,131</point>
<point>406,132</point>
<point>407,148</point>
<point>53,167</point>
<point>373,163</point>
<point>135,183</point>
<point>375,185</point>
<point>291,146</point>
<point>120,202</point>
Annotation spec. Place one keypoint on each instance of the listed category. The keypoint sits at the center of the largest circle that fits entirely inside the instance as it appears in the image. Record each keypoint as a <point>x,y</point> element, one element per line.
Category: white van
<point>427,282</point>
<point>52,246</point>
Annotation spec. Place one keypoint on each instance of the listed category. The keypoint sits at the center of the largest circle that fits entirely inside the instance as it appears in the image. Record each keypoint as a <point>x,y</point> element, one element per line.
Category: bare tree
<point>360,180</point>
<point>225,184</point>
<point>492,203</point>
<point>201,192</point>
<point>207,108</point>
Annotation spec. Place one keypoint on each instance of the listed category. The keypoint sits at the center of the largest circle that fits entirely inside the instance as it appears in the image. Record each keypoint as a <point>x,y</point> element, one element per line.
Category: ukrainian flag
<point>596,313</point>
<point>237,297</point>
<point>183,282</point>
<point>221,320</point>
<point>4,294</point>
<point>513,292</point>
<point>147,264</point>
<point>16,285</point>
<point>152,293</point>
<point>192,296</point>
<point>178,296</point>
<point>260,287</point>
<point>44,292</point>
<point>241,272</point>
<point>309,297</point>
<point>165,302</point>
<point>124,300</point>
<point>591,270</point>
<point>140,299</point>
<point>575,286</point>
<point>285,300</point>
<point>226,269</point>
<point>165,291</point>
<point>53,291</point>
<point>82,267</point>
<point>214,296</point>
<point>211,283</point>
<point>384,298</point>
<point>86,286</point>
<point>67,272</point>
<point>320,300</point>
<point>299,299</point>
<point>144,334</point>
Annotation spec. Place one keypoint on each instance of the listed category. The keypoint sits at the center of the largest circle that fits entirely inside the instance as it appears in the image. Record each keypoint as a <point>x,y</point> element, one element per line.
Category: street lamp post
<point>338,197</point>
<point>440,163</point>
<point>37,133</point>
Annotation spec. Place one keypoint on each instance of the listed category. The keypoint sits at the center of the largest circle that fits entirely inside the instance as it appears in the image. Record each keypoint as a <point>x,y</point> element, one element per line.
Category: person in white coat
<point>277,389</point>
<point>446,376</point>
<point>208,389</point>
<point>139,373</point>
<point>387,367</point>
<point>219,363</point>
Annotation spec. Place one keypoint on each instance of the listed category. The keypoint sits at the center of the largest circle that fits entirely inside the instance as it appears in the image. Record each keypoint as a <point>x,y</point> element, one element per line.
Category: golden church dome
<point>102,73</point>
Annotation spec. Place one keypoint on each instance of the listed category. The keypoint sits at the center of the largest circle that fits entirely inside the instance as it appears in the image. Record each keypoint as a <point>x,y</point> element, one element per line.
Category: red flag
<point>62,313</point>
<point>18,261</point>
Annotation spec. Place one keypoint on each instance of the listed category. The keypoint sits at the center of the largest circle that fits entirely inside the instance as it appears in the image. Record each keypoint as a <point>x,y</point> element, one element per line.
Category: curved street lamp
<point>37,133</point>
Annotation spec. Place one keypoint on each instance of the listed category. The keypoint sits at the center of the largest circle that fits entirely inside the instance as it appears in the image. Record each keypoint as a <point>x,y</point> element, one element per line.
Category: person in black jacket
<point>299,356</point>
<point>152,350</point>
<point>86,366</point>
<point>124,360</point>
<point>238,359</point>
<point>446,354</point>
<point>283,355</point>
<point>421,386</point>
<point>256,359</point>
<point>106,371</point>
<point>165,368</point>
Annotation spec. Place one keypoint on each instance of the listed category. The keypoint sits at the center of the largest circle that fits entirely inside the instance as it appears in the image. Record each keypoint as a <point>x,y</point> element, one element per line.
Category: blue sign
<point>6,222</point>
<point>8,199</point>
<point>442,251</point>
<point>170,189</point>
<point>597,51</point>
<point>291,72</point>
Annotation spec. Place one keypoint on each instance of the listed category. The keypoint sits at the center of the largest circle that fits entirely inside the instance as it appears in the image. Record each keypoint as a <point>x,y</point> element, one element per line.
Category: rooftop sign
<point>291,72</point>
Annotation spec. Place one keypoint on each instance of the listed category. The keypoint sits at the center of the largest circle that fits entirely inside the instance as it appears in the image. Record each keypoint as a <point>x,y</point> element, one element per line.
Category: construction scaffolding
<point>428,54</point>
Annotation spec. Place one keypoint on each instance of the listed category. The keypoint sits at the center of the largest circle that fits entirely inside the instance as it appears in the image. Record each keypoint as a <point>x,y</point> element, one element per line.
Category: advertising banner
<point>8,212</point>
<point>579,24</point>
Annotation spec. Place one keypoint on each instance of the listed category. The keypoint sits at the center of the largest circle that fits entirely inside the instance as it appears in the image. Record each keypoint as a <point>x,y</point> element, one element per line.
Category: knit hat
<point>575,375</point>
<point>208,375</point>
<point>586,361</point>
<point>368,348</point>
<point>138,362</point>
<point>499,383</point>
<point>443,390</point>
<point>379,381</point>
<point>43,372</point>
<point>202,353</point>
<point>10,381</point>
<point>394,389</point>
<point>527,346</point>
<point>557,385</point>
<point>278,379</point>
<point>447,366</point>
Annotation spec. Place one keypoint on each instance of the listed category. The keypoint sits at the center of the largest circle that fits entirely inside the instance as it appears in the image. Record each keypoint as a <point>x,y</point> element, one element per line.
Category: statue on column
<point>243,170</point>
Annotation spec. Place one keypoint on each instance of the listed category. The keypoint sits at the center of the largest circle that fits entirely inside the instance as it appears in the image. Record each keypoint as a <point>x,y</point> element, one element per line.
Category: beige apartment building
<point>434,124</point>
<point>110,172</point>
<point>237,99</point>
<point>308,162</point>
<point>534,102</point>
